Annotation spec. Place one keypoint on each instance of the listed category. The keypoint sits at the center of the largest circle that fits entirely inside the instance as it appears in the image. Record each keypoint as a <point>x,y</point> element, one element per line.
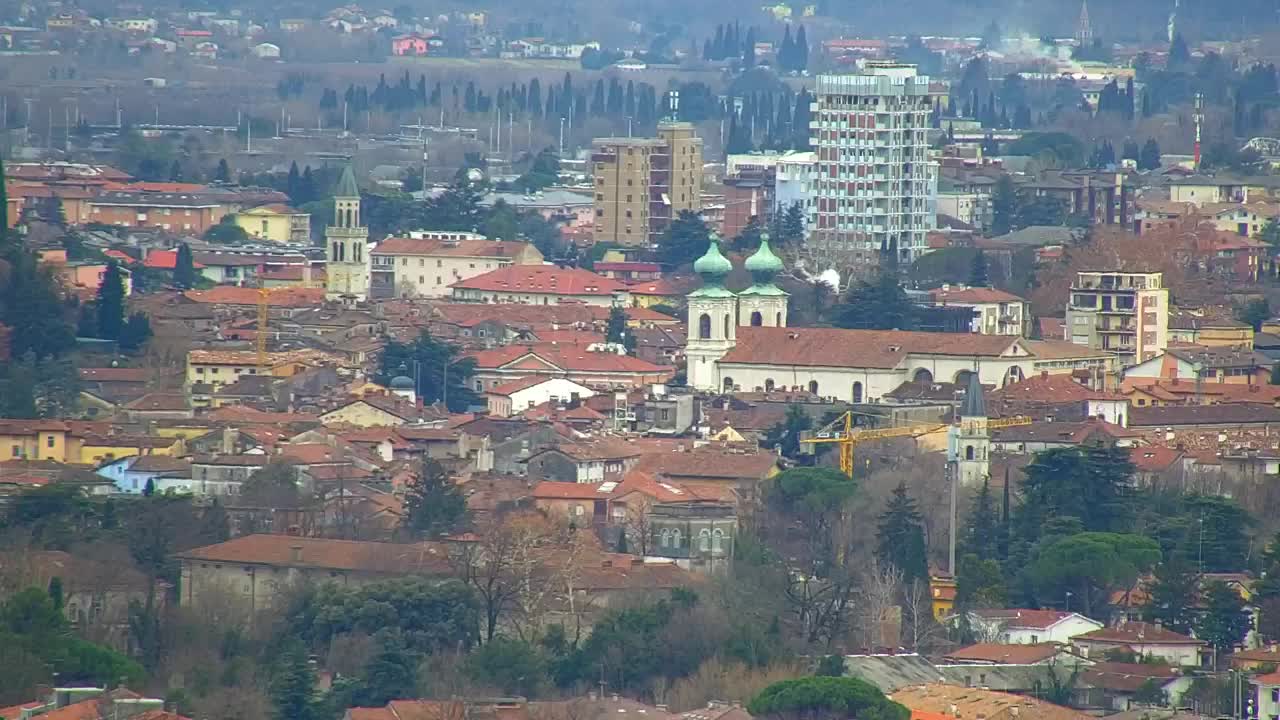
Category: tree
<point>616,330</point>
<point>878,304</point>
<point>513,667</point>
<point>135,333</point>
<point>1172,596</point>
<point>433,504</point>
<point>979,582</point>
<point>392,671</point>
<point>820,495</point>
<point>1091,565</point>
<point>900,538</point>
<point>1087,483</point>
<point>823,698</point>
<point>226,232</point>
<point>685,239</point>
<point>978,273</point>
<point>110,302</point>
<point>184,268</point>
<point>1150,693</point>
<point>830,666</point>
<point>274,486</point>
<point>1149,157</point>
<point>440,374</point>
<point>1179,54</point>
<point>802,50</point>
<point>1004,204</point>
<point>223,173</point>
<point>293,686</point>
<point>793,222</point>
<point>981,535</point>
<point>1224,622</point>
<point>784,436</point>
<point>1255,313</point>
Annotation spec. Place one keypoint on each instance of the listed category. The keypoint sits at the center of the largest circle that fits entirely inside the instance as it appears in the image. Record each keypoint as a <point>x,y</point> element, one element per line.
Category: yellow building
<point>40,440</point>
<point>276,223</point>
<point>942,591</point>
<point>642,184</point>
<point>95,449</point>
<point>223,367</point>
<point>1219,330</point>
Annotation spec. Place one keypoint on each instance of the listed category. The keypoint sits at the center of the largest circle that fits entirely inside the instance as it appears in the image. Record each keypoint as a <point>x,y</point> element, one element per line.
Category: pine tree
<point>293,686</point>
<point>433,504</point>
<point>135,333</point>
<point>801,50</point>
<point>1149,158</point>
<point>900,538</point>
<point>787,51</point>
<point>982,529</point>
<point>1172,596</point>
<point>184,268</point>
<point>110,303</point>
<point>223,173</point>
<point>793,224</point>
<point>293,182</point>
<point>175,171</point>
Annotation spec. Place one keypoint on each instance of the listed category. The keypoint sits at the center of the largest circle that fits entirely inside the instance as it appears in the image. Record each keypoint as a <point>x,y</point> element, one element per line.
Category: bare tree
<point>879,613</point>
<point>923,631</point>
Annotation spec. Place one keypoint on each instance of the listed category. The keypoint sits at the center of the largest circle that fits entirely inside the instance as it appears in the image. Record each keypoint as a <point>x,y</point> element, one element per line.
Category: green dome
<point>712,265</point>
<point>763,264</point>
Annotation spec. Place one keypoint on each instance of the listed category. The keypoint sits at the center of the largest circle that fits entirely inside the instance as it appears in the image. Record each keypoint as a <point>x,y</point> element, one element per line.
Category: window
<point>664,538</point>
<point>704,327</point>
<point>17,451</point>
<point>757,319</point>
<point>50,441</point>
<point>857,392</point>
<point>768,385</point>
<point>704,541</point>
<point>717,540</point>
<point>813,387</point>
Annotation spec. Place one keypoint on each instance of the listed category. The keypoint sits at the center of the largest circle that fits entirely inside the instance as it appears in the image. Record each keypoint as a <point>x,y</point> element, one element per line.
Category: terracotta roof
<point>292,272</point>
<point>1154,458</point>
<point>710,463</point>
<point>504,249</point>
<point>973,702</point>
<point>515,386</point>
<point>115,374</point>
<point>247,414</point>
<point>1072,433</point>
<point>160,464</point>
<point>831,347</point>
<point>1137,633</point>
<point>1005,654</point>
<point>972,295</point>
<point>569,358</point>
<point>273,209</point>
<point>1047,388</point>
<point>1126,677</point>
<point>1023,618</point>
<point>312,453</point>
<point>1267,679</point>
<point>164,402</point>
<point>1220,414</point>
<point>278,297</point>
<point>599,449</point>
<point>351,555</point>
<point>547,279</point>
<point>165,260</point>
<point>1269,654</point>
<point>248,357</point>
<point>627,266</point>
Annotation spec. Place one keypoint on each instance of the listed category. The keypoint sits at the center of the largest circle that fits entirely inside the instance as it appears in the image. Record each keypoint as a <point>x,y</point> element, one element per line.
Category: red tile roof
<point>546,279</point>
<point>967,295</point>
<point>515,386</point>
<point>1024,618</point>
<point>1126,677</point>
<point>115,374</point>
<point>1005,654</point>
<point>164,260</point>
<point>352,555</point>
<point>1138,633</point>
<point>832,347</point>
<point>710,463</point>
<point>1154,458</point>
<point>572,358</point>
<point>627,267</point>
<point>1050,389</point>
<point>278,297</point>
<point>504,249</point>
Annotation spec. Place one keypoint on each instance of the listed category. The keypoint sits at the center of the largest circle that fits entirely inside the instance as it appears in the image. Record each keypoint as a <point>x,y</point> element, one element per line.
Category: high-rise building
<point>641,184</point>
<point>1124,313</point>
<point>347,266</point>
<point>875,188</point>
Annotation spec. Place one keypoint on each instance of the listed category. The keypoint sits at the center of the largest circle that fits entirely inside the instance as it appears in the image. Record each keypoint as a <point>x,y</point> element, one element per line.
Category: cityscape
<point>587,360</point>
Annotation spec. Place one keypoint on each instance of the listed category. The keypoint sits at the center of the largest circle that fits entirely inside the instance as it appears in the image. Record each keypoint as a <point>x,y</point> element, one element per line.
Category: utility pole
<point>562,137</point>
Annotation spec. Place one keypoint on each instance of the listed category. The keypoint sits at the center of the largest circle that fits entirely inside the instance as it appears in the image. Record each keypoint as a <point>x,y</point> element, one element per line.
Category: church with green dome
<point>715,312</point>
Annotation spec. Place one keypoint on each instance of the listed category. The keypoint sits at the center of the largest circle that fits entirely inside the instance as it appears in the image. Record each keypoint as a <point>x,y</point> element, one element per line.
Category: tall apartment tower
<point>347,264</point>
<point>642,184</point>
<point>875,189</point>
<point>1123,313</point>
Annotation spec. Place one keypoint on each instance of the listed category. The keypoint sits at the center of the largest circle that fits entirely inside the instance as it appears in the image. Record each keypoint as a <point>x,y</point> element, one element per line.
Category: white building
<point>427,263</point>
<point>1016,626</point>
<point>995,312</point>
<point>517,396</point>
<point>967,207</point>
<point>793,183</point>
<point>347,268</point>
<point>1123,313</point>
<point>1144,639</point>
<point>876,189</point>
<point>1268,696</point>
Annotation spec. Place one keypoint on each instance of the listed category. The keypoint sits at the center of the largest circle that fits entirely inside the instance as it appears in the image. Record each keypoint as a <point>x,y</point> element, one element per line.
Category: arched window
<point>704,327</point>
<point>1015,375</point>
<point>962,377</point>
<point>857,392</point>
<point>704,541</point>
<point>665,536</point>
<point>717,540</point>
<point>676,540</point>
<point>334,254</point>
<point>922,376</point>
<point>813,387</point>
<point>768,385</point>
<point>728,327</point>
<point>777,320</point>
<point>968,452</point>
<point>728,384</point>
<point>757,319</point>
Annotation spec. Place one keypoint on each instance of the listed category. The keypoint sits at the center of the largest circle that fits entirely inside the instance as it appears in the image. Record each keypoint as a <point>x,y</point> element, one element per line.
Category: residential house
<point>179,212</point>
<point>995,312</point>
<point>1020,626</point>
<point>1040,436</point>
<point>1125,313</point>
<point>541,285</point>
<point>428,264</point>
<point>1202,365</point>
<point>1209,328</point>
<point>1144,639</point>
<point>131,474</point>
<point>415,44</point>
<point>514,397</point>
<point>1041,653</point>
<point>1112,686</point>
<point>1058,397</point>
<point>740,470</point>
<point>374,410</point>
<point>627,271</point>
<point>224,367</point>
<point>222,475</point>
<point>276,222</point>
<point>1267,693</point>
<point>590,365</point>
<point>1237,416</point>
<point>588,461</point>
<point>936,700</point>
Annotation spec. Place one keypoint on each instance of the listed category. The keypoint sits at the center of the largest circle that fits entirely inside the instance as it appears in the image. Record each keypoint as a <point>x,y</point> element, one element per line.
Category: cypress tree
<point>110,302</point>
<point>900,538</point>
<point>801,50</point>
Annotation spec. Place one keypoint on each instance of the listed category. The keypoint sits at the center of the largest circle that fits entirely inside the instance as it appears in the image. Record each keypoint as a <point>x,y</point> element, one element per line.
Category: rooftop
<point>305,552</point>
<point>500,249</point>
<point>547,279</point>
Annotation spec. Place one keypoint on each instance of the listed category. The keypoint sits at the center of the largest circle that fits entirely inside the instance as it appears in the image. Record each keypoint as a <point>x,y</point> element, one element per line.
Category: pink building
<point>411,44</point>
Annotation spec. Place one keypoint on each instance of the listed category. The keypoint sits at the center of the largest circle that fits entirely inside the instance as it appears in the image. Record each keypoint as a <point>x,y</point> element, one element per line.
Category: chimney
<point>228,440</point>
<point>306,274</point>
<point>295,553</point>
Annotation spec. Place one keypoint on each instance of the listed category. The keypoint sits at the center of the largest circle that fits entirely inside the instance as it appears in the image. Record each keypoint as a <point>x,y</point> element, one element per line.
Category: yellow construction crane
<point>841,432</point>
<point>264,296</point>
